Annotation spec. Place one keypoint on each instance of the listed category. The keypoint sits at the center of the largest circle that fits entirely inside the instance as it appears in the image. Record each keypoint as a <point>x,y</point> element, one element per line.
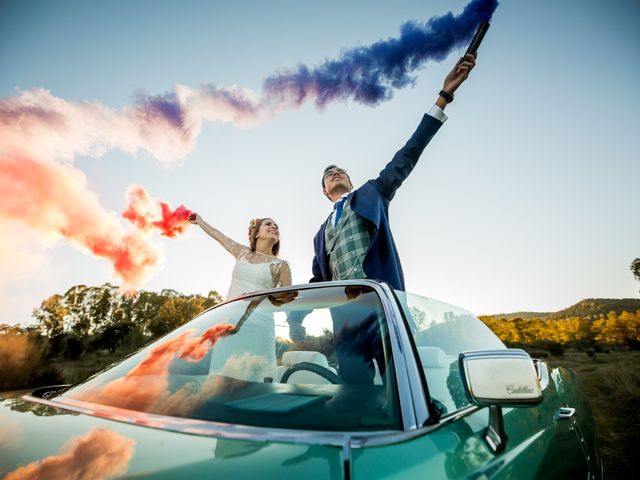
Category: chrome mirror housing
<point>500,377</point>
<point>497,378</point>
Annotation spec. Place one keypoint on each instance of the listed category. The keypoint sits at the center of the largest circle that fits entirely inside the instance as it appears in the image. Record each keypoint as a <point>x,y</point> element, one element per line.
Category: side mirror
<point>500,377</point>
<point>497,378</point>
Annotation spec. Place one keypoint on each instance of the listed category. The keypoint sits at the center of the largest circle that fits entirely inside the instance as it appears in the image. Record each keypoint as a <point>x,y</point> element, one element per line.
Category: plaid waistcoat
<point>347,244</point>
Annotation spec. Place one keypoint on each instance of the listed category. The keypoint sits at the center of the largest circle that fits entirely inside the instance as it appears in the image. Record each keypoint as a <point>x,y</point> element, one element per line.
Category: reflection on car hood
<point>38,438</point>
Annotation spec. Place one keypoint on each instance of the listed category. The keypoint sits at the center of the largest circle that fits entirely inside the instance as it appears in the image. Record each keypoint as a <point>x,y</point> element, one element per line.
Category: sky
<point>527,198</point>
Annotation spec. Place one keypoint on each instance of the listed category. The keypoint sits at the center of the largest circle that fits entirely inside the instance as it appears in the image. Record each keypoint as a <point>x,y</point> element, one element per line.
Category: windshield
<point>441,332</point>
<point>312,359</point>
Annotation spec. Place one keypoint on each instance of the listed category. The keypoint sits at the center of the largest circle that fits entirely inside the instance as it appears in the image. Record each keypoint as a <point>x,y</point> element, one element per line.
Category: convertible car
<point>336,380</point>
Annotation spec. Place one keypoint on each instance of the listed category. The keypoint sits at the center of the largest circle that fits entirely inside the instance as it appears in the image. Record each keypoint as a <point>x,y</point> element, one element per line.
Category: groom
<point>355,241</point>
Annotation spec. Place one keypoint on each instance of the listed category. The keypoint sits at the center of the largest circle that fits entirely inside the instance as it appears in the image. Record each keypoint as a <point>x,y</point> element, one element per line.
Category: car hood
<point>38,441</point>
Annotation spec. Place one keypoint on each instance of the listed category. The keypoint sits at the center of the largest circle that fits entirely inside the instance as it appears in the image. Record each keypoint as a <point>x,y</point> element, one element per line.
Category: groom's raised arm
<point>405,159</point>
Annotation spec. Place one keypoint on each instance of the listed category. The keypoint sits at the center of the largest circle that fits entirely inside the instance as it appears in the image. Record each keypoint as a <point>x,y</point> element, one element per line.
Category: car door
<point>541,444</point>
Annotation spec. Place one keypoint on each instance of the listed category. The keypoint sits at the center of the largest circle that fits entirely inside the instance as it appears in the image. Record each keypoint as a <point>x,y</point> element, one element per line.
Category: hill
<point>591,308</point>
<point>523,315</point>
<point>597,307</point>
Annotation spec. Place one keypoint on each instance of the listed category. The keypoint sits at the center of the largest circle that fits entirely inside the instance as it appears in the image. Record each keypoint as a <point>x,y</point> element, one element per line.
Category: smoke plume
<point>99,454</point>
<point>40,134</point>
<point>54,199</point>
<point>370,74</point>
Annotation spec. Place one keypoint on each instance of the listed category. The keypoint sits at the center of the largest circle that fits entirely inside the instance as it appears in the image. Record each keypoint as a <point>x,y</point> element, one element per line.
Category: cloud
<point>98,454</point>
<point>20,255</point>
<point>10,432</point>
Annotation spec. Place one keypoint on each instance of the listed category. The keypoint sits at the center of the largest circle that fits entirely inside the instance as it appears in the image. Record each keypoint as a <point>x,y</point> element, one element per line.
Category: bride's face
<point>269,229</point>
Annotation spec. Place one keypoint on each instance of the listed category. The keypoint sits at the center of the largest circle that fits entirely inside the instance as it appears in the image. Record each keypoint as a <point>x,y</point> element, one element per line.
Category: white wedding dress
<point>253,271</point>
<point>250,354</point>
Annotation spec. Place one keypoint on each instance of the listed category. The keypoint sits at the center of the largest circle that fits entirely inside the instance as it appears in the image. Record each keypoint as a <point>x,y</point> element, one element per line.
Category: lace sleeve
<point>233,247</point>
<point>284,274</point>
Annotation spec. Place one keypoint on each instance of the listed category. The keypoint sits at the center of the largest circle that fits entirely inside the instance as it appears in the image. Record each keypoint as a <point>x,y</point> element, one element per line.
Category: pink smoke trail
<point>54,199</point>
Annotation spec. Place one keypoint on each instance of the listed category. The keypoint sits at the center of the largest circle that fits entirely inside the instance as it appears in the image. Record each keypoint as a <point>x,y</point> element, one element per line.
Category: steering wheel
<point>311,367</point>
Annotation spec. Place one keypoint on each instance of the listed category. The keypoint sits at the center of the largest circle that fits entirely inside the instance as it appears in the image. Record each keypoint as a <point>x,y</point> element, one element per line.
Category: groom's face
<point>336,180</point>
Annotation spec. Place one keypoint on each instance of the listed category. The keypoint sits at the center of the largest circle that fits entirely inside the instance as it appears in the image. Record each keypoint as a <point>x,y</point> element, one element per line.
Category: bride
<point>250,353</point>
<point>257,266</point>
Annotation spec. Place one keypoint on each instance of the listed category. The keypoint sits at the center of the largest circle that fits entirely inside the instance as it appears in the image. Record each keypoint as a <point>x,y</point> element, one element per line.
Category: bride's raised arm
<point>233,247</point>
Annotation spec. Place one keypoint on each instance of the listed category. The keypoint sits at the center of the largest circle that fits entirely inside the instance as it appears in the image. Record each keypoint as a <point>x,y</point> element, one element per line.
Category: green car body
<point>420,420</point>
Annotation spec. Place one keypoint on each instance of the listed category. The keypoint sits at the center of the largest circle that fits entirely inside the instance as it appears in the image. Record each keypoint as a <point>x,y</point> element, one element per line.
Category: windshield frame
<point>412,399</point>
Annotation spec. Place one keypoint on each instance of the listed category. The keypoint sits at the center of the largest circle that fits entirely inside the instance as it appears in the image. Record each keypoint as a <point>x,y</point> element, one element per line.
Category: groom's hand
<point>459,73</point>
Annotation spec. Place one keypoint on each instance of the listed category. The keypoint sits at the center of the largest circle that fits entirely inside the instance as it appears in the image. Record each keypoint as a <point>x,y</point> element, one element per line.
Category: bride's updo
<point>254,228</point>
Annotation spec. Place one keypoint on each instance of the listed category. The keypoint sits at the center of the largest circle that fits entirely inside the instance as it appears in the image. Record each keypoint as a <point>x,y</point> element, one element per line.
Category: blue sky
<point>527,198</point>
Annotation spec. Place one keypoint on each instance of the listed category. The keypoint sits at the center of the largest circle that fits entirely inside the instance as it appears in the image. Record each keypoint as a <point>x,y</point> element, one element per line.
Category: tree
<point>112,336</point>
<point>145,308</point>
<point>101,307</point>
<point>635,268</point>
<point>78,301</point>
<point>212,299</point>
<point>51,316</point>
<point>174,312</point>
<point>122,309</point>
<point>419,318</point>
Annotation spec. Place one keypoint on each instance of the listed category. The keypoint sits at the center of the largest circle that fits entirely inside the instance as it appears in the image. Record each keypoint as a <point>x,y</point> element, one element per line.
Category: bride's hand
<point>194,218</point>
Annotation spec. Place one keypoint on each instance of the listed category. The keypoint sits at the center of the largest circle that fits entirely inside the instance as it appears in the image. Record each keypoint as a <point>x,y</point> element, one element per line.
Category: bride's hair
<point>254,228</point>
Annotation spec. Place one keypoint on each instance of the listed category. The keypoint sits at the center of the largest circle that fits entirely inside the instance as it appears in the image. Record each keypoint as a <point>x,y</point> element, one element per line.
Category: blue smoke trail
<point>365,74</point>
<point>369,74</point>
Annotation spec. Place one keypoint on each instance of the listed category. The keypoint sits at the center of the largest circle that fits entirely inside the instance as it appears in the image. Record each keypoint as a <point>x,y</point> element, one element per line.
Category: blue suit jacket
<point>371,201</point>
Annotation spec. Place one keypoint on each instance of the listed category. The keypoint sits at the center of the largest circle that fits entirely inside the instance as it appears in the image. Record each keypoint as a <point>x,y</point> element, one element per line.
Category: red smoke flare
<point>146,213</point>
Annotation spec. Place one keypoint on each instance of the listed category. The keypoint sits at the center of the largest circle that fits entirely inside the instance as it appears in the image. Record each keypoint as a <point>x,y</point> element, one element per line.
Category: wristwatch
<point>446,95</point>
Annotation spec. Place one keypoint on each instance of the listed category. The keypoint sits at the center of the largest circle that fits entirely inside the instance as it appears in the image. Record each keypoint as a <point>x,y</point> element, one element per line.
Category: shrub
<point>48,375</point>
<point>20,356</point>
<point>556,349</point>
<point>73,347</point>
